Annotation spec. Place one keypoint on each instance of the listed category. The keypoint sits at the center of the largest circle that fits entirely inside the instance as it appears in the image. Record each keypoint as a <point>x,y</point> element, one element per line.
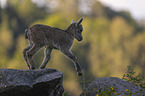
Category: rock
<point>117,84</point>
<point>39,82</point>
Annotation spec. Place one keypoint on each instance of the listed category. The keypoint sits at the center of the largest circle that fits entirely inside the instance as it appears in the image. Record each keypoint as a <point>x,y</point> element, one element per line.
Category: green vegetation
<point>108,92</point>
<point>111,92</point>
<point>134,78</point>
<point>112,40</point>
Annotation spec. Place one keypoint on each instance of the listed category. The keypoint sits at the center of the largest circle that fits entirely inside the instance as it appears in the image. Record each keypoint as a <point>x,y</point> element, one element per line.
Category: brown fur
<point>52,38</point>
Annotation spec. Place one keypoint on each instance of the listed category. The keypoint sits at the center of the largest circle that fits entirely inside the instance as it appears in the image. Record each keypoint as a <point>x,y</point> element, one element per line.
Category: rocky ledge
<point>39,82</point>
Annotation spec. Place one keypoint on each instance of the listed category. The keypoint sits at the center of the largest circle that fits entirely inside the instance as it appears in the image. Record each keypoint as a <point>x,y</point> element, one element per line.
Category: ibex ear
<point>72,21</point>
<point>80,21</point>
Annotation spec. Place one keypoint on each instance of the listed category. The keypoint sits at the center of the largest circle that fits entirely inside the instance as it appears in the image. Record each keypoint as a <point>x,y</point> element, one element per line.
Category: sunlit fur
<point>52,38</point>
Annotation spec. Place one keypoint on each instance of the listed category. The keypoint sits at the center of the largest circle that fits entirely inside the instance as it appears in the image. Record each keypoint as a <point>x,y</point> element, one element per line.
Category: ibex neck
<point>68,29</point>
<point>71,31</point>
<point>71,28</point>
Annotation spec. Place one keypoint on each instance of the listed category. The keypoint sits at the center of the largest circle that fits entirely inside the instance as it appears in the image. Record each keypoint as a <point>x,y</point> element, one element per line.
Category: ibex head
<point>78,28</point>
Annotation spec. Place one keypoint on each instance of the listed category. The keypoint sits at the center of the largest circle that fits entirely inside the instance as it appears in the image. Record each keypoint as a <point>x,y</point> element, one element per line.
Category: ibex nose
<point>80,39</point>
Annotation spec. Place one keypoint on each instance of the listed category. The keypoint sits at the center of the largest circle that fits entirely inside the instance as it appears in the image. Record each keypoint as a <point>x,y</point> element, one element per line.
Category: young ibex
<point>52,38</point>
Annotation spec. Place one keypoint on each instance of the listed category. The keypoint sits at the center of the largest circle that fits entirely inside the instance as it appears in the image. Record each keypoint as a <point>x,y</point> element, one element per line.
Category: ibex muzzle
<point>52,38</point>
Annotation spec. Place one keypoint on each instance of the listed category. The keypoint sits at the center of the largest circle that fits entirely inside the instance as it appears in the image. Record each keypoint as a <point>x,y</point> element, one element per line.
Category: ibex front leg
<point>72,57</point>
<point>30,53</point>
<point>47,53</point>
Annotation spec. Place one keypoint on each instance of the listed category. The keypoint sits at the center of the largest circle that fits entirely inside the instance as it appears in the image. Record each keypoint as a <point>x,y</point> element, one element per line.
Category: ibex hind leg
<point>47,53</point>
<point>24,54</point>
<point>30,53</point>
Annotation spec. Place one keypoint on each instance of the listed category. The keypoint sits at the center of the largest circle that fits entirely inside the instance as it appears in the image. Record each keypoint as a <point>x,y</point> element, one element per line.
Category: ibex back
<point>52,38</point>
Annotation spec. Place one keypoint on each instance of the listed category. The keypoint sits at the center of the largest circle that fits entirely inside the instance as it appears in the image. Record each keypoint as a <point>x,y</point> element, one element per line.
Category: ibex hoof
<point>80,74</point>
<point>41,67</point>
<point>32,68</point>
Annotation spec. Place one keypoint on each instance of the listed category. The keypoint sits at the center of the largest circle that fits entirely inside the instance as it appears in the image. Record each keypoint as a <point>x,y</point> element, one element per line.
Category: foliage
<point>65,94</point>
<point>131,76</point>
<point>108,92</point>
<point>112,92</point>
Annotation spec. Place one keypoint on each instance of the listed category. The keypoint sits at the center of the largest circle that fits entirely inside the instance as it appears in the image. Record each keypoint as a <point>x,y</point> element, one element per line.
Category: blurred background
<point>114,36</point>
